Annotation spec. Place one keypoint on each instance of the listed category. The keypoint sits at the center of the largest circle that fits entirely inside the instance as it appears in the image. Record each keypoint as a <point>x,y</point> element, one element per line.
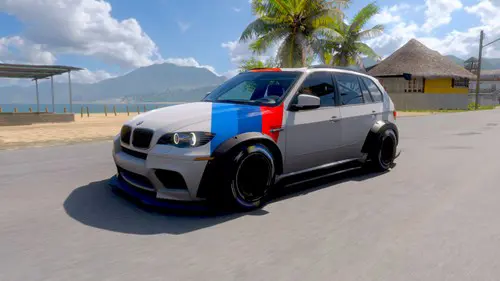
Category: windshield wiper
<point>236,101</point>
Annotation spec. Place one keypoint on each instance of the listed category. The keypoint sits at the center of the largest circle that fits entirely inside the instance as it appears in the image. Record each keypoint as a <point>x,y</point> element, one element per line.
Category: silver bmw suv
<point>253,132</point>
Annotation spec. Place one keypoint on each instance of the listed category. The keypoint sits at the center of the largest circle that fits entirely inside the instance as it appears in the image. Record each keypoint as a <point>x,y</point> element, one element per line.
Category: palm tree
<point>347,45</point>
<point>296,25</point>
<point>253,62</point>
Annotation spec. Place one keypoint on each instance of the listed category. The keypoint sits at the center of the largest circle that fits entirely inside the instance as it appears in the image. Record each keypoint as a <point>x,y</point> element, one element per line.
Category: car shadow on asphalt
<point>96,205</point>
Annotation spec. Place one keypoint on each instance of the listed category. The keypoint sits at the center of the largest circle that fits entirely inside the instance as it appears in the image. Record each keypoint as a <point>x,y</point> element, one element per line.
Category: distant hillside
<point>486,64</point>
<point>174,95</point>
<point>152,80</point>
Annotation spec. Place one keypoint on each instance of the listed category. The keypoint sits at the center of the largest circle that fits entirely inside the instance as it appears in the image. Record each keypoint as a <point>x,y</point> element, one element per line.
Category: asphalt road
<point>435,216</point>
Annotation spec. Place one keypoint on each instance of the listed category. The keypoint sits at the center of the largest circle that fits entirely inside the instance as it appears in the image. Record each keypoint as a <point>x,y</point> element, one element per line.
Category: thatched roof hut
<point>418,60</point>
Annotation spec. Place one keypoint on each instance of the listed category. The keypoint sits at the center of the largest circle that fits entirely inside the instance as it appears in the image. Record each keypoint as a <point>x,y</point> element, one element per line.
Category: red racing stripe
<point>272,118</point>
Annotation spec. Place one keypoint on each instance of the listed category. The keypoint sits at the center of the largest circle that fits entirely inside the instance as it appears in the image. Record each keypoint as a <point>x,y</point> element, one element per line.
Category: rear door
<point>359,111</point>
<point>313,135</point>
<point>381,106</point>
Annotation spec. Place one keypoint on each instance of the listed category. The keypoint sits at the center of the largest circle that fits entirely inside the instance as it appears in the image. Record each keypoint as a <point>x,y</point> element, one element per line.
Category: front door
<point>312,135</point>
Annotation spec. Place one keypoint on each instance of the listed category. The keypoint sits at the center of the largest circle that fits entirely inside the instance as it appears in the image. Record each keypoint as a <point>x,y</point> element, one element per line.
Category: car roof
<point>328,68</point>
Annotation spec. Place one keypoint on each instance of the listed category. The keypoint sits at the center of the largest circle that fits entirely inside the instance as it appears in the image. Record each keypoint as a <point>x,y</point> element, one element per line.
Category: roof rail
<point>337,67</point>
<point>265,69</point>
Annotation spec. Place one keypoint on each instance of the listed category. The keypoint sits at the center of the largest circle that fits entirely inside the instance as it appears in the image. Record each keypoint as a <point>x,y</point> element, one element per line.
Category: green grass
<point>470,107</point>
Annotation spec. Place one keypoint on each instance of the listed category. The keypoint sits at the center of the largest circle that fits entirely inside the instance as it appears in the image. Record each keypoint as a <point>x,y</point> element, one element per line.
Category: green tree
<point>253,62</point>
<point>346,47</point>
<point>298,26</point>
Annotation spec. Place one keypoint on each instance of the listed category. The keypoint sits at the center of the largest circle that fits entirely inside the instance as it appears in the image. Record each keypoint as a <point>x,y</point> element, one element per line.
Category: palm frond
<point>324,18</point>
<point>265,41</point>
<point>255,28</point>
<point>364,49</point>
<point>290,52</point>
<point>371,33</point>
<point>271,7</point>
<point>340,4</point>
<point>363,16</point>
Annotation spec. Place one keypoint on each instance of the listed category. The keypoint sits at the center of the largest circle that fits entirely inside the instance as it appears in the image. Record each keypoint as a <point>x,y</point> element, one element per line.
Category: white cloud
<point>391,14</point>
<point>183,26</point>
<point>231,73</point>
<point>439,13</point>
<point>239,51</point>
<point>236,9</point>
<point>399,7</point>
<point>15,49</point>
<point>83,27</point>
<point>385,16</point>
<point>190,62</point>
<point>394,38</point>
<point>461,43</point>
<point>86,76</point>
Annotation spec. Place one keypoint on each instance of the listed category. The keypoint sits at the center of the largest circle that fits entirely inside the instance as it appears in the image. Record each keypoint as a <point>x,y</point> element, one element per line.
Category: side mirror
<point>305,101</point>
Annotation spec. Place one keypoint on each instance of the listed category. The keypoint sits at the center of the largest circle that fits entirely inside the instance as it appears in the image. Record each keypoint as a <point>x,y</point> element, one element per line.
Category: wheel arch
<point>212,171</point>
<point>377,128</point>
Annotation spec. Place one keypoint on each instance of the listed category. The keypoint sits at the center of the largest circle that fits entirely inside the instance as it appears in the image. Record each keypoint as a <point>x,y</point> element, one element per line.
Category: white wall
<point>484,86</point>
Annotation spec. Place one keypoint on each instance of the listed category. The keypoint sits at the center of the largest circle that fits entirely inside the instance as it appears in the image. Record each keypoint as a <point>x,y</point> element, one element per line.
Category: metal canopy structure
<point>37,72</point>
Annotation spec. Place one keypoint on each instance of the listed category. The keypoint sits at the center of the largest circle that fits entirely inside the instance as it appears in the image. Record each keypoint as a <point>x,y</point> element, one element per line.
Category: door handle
<point>275,130</point>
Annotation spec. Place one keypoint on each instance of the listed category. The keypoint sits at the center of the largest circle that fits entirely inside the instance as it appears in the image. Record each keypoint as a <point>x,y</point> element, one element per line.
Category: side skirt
<point>319,172</point>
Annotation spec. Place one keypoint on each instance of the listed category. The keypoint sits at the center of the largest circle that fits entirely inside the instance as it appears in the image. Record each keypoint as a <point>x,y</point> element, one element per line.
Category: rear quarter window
<point>374,90</point>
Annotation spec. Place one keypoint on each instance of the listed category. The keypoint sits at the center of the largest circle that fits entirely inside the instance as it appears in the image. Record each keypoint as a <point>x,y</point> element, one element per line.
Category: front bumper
<point>149,200</point>
<point>146,173</point>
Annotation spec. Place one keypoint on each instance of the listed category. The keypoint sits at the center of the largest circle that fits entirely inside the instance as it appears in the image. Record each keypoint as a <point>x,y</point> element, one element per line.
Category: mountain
<point>486,64</point>
<point>151,80</point>
<point>173,95</point>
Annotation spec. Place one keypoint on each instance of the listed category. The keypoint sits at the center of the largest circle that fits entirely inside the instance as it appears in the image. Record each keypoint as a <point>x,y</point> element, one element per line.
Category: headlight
<point>186,139</point>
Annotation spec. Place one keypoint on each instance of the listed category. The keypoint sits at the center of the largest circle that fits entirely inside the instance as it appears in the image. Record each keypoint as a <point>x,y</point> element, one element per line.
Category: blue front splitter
<point>120,184</point>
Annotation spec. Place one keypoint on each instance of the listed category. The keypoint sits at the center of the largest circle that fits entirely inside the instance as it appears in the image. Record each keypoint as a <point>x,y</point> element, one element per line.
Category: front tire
<point>249,174</point>
<point>382,156</point>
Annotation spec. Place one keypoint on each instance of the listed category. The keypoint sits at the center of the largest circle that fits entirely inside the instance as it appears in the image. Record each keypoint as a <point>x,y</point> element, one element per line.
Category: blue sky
<point>113,37</point>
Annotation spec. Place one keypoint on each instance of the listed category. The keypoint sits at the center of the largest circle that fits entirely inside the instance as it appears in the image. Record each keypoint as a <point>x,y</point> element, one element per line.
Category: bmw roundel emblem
<point>139,123</point>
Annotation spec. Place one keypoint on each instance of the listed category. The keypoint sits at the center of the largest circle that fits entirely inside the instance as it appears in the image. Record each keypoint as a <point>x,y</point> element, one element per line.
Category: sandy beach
<point>97,127</point>
<point>94,128</point>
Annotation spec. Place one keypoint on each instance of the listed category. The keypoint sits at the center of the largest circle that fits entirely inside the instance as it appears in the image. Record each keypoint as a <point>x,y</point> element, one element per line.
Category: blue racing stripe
<point>224,123</point>
<point>249,119</point>
<point>229,120</point>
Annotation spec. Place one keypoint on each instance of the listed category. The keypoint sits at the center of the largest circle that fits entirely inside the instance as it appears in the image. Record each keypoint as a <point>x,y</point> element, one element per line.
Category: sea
<point>92,107</point>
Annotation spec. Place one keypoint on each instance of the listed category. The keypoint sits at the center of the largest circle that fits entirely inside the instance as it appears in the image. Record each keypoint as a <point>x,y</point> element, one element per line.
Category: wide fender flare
<point>212,173</point>
<point>376,129</point>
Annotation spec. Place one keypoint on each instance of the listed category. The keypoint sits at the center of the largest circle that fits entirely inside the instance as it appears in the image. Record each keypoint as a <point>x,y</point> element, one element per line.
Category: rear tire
<point>382,156</point>
<point>247,177</point>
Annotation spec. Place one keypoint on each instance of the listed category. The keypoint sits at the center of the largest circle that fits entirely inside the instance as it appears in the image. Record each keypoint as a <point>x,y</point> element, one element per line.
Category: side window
<point>320,84</point>
<point>374,90</point>
<point>366,93</point>
<point>349,89</point>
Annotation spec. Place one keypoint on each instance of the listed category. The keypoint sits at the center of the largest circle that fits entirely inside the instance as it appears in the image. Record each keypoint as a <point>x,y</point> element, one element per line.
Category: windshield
<point>255,88</point>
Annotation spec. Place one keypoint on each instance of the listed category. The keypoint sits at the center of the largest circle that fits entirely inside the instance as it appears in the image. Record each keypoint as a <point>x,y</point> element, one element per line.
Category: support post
<point>37,97</point>
<point>70,92</point>
<point>478,78</point>
<point>52,91</point>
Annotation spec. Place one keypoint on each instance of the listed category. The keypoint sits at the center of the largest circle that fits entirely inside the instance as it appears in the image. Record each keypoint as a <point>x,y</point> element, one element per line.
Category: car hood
<point>174,117</point>
<point>224,119</point>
